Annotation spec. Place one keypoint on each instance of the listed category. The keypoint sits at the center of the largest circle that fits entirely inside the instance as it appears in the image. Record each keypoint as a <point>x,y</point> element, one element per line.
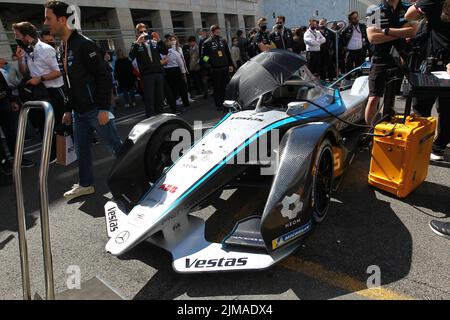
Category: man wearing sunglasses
<point>147,51</point>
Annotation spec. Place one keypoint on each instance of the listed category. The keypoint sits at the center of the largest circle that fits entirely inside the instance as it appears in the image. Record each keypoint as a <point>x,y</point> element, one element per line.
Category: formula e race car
<point>282,124</point>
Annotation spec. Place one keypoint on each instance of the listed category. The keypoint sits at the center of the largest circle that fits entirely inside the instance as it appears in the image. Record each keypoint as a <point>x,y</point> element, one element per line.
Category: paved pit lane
<point>365,229</point>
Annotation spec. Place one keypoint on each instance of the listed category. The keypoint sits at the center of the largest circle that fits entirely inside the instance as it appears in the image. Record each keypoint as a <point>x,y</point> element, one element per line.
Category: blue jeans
<point>84,125</point>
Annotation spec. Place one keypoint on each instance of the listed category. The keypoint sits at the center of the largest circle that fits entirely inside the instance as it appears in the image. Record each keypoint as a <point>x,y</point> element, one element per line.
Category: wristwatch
<point>42,79</point>
<point>386,31</point>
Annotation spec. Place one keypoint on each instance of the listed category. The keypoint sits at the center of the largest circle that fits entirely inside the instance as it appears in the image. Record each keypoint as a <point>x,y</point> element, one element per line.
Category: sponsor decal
<point>293,223</point>
<point>112,219</point>
<point>122,237</point>
<point>215,263</point>
<point>291,206</point>
<point>168,188</point>
<point>288,237</point>
<point>248,119</point>
<point>248,239</point>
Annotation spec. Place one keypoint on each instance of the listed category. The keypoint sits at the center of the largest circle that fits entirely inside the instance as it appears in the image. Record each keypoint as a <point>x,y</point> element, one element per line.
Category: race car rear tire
<point>322,181</point>
<point>158,155</point>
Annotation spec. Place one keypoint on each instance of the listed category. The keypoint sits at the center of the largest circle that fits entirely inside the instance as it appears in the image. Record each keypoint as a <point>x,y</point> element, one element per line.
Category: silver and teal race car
<point>283,126</point>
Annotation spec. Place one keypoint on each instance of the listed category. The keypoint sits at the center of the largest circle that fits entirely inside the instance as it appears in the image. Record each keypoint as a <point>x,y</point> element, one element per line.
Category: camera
<point>148,37</point>
<point>279,26</point>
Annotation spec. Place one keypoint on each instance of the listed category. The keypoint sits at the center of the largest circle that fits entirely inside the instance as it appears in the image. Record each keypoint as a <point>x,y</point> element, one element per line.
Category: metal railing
<point>43,198</point>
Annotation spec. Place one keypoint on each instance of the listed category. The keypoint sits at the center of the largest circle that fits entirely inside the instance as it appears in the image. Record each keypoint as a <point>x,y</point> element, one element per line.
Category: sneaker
<point>442,229</point>
<point>437,156</point>
<point>127,106</point>
<point>6,167</point>
<point>95,141</point>
<point>26,163</point>
<point>179,102</point>
<point>78,191</point>
<point>133,104</point>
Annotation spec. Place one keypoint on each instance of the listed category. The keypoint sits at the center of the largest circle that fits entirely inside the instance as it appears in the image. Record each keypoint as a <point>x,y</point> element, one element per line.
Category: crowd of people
<point>78,78</point>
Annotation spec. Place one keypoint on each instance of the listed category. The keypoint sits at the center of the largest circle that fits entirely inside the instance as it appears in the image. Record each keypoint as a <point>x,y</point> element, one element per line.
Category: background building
<point>298,12</point>
<point>111,22</point>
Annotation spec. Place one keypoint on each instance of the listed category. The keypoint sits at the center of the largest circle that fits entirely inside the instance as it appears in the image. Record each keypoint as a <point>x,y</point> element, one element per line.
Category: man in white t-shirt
<point>38,63</point>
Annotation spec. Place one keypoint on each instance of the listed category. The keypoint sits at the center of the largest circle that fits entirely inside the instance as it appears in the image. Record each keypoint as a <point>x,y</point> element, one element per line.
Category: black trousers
<point>354,59</point>
<point>177,84</point>
<point>219,79</point>
<point>313,62</point>
<point>327,66</point>
<point>153,93</point>
<point>8,124</point>
<point>422,107</point>
<point>196,79</point>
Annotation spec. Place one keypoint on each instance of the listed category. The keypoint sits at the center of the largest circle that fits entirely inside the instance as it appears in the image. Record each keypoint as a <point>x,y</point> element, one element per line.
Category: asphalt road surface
<point>365,230</point>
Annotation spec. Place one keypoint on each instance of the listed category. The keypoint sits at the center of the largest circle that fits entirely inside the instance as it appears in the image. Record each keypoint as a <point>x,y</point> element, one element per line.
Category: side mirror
<point>232,105</point>
<point>296,107</point>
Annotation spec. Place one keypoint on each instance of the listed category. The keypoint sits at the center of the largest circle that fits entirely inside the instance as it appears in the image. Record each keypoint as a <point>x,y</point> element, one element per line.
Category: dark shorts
<point>379,77</point>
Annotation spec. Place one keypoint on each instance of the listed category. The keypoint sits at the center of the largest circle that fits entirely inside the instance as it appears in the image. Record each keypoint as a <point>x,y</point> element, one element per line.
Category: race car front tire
<point>322,181</point>
<point>158,155</point>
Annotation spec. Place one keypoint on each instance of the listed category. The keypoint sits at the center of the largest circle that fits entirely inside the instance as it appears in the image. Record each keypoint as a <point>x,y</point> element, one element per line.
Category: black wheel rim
<point>324,181</point>
<point>163,158</point>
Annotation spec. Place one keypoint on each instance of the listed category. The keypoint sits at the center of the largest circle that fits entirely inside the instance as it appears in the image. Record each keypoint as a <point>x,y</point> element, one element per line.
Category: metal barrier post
<point>336,35</point>
<point>43,199</point>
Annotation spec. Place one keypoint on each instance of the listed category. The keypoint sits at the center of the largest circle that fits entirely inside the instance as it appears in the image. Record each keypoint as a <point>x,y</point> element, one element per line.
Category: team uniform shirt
<point>42,61</point>
<point>440,31</point>
<point>216,53</point>
<point>262,37</point>
<point>282,38</point>
<point>391,18</point>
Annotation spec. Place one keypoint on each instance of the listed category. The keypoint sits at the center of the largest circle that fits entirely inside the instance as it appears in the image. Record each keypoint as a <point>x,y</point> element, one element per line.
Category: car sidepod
<point>288,213</point>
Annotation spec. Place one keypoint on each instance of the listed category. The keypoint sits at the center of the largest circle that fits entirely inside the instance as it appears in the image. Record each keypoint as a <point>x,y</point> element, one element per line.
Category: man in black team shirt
<point>437,13</point>
<point>393,31</point>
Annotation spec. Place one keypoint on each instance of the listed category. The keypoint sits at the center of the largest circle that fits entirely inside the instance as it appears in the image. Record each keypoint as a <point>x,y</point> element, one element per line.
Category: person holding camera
<point>147,52</point>
<point>282,37</point>
<point>38,64</point>
<point>391,33</point>
<point>262,37</point>
<point>89,86</point>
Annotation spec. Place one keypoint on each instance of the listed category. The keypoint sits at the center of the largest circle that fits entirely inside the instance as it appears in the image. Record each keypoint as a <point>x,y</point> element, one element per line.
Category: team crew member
<point>216,55</point>
<point>37,61</point>
<point>282,37</point>
<point>147,53</point>
<point>313,40</point>
<point>262,38</point>
<point>355,42</point>
<point>393,32</point>
<point>89,87</point>
<point>437,13</point>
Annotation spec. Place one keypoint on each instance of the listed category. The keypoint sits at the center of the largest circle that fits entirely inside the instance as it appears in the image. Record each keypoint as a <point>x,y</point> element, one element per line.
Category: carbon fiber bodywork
<point>127,177</point>
<point>294,177</point>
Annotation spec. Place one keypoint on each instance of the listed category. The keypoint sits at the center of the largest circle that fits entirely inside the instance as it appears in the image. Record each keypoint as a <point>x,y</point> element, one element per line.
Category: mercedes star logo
<point>122,237</point>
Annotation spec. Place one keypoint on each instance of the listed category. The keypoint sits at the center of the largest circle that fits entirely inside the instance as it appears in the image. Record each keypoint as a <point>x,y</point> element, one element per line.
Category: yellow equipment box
<point>401,157</point>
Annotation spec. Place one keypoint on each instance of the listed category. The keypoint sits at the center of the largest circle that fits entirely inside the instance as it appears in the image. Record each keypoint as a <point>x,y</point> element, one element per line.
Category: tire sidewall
<point>325,146</point>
